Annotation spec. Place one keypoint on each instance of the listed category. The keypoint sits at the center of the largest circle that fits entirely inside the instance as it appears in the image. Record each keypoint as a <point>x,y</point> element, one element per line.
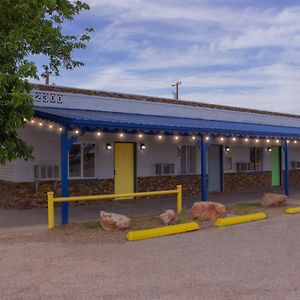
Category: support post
<point>65,146</point>
<point>179,199</point>
<point>286,173</point>
<point>50,210</point>
<point>64,175</point>
<point>203,149</point>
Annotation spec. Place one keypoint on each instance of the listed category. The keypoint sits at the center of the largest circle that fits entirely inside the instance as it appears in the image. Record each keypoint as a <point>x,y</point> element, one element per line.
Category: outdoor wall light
<point>142,146</point>
<point>227,149</point>
<point>269,149</point>
<point>108,147</point>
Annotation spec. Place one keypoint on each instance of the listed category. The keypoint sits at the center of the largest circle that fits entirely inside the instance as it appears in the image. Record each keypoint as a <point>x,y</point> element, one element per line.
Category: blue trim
<point>203,149</point>
<point>286,173</point>
<point>113,121</point>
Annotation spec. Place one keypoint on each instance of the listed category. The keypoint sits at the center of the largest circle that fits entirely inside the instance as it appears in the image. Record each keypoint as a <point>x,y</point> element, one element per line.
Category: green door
<point>276,166</point>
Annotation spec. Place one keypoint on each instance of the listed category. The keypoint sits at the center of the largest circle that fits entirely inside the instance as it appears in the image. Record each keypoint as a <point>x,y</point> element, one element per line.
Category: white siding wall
<point>8,171</point>
<point>157,151</point>
<point>45,150</point>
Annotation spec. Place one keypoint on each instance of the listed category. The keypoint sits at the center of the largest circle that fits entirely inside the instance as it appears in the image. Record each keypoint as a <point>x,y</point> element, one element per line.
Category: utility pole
<point>177,84</point>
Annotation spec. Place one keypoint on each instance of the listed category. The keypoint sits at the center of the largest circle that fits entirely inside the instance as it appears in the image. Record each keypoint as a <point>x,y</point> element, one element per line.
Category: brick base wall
<point>23,195</point>
<point>247,181</point>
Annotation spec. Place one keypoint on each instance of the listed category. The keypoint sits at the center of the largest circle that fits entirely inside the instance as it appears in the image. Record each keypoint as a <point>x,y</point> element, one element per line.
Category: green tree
<point>29,28</point>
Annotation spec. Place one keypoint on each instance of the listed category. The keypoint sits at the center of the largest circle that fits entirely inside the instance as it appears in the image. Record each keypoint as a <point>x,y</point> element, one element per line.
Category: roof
<point>133,97</point>
<point>114,121</point>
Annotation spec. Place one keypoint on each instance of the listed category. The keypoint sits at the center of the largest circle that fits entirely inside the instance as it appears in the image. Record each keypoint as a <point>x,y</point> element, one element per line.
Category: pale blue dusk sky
<point>234,52</point>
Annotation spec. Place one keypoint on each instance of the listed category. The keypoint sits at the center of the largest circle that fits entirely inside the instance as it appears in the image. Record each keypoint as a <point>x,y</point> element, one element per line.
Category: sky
<point>233,52</point>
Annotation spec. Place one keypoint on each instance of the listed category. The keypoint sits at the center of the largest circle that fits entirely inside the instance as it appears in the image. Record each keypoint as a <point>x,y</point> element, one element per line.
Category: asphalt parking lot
<point>258,260</point>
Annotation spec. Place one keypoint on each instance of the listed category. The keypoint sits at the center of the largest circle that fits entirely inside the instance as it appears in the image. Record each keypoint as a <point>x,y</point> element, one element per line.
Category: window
<point>188,159</point>
<point>82,161</point>
<point>256,158</point>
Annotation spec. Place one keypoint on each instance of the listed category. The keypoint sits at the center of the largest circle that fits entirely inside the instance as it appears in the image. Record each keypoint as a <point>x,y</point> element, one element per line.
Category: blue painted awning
<point>114,121</point>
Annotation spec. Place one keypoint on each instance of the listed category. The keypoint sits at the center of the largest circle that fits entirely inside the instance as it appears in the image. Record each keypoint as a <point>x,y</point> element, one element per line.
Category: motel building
<point>90,142</point>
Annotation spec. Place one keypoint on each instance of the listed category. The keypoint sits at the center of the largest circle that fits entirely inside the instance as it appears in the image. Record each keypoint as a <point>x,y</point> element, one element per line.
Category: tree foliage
<point>29,28</point>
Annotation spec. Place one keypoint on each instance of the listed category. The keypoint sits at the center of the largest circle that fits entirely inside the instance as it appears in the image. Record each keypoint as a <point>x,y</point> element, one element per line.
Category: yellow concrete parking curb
<point>221,222</point>
<point>293,210</point>
<point>161,231</point>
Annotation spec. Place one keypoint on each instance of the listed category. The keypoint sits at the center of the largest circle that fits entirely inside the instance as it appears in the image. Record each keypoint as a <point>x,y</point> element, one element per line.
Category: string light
<point>140,135</point>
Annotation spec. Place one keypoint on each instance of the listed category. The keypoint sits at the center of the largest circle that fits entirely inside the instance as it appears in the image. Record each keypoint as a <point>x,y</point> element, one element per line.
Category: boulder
<point>112,221</point>
<point>207,211</point>
<point>168,217</point>
<point>273,200</point>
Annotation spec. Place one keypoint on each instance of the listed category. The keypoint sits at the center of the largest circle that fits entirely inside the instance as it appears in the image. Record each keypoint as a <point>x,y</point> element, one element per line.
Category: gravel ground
<point>259,260</point>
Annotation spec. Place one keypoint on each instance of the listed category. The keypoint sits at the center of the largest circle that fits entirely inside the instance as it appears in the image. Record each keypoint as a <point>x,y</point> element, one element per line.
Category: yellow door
<point>124,168</point>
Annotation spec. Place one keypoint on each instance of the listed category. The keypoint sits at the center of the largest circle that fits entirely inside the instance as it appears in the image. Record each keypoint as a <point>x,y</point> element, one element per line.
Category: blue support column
<point>64,176</point>
<point>203,150</point>
<point>65,146</point>
<point>286,173</point>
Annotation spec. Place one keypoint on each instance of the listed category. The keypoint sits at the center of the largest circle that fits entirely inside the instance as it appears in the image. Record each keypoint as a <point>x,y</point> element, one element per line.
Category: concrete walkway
<point>38,216</point>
